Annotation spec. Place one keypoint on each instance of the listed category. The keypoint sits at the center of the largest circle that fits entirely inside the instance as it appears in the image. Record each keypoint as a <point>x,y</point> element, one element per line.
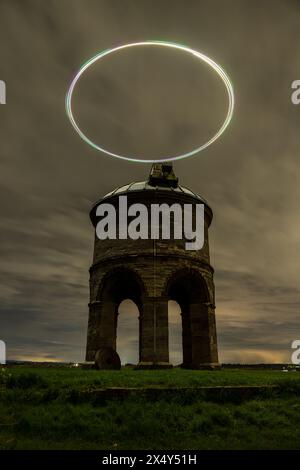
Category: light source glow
<point>218,69</point>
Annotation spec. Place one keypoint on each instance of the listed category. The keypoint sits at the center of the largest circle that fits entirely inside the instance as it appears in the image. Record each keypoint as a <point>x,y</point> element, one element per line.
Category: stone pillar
<point>154,336</point>
<point>94,315</point>
<point>203,336</point>
<point>101,327</point>
<point>106,334</point>
<point>162,332</point>
<point>186,336</point>
<point>147,334</point>
<point>213,335</point>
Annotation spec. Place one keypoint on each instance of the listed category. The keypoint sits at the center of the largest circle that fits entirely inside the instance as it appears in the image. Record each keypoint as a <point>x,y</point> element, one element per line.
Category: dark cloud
<point>49,177</point>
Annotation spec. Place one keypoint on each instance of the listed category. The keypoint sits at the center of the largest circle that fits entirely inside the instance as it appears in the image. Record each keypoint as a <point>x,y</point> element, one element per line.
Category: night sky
<point>149,103</point>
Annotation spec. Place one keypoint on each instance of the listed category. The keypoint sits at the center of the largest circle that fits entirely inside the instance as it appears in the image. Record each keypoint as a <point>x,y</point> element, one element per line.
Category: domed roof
<point>145,186</point>
<point>161,179</point>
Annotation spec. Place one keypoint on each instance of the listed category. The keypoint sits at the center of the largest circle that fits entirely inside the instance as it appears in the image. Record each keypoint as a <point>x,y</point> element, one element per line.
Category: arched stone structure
<point>117,284</point>
<point>150,274</point>
<point>199,338</point>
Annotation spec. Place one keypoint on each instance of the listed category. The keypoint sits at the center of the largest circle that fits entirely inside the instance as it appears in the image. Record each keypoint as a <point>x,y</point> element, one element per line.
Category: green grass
<point>78,378</point>
<point>38,410</point>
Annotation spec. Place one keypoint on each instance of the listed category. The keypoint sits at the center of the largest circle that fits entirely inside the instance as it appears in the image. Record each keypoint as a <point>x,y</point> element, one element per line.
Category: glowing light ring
<point>199,55</point>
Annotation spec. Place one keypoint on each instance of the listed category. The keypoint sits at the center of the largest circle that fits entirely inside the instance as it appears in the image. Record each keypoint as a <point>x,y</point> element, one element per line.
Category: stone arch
<point>189,289</point>
<point>121,283</point>
<point>196,287</point>
<point>118,284</point>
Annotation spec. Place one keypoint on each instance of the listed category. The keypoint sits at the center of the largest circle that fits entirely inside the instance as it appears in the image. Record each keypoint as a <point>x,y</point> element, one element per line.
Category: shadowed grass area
<point>65,377</point>
<point>37,411</point>
<point>161,425</point>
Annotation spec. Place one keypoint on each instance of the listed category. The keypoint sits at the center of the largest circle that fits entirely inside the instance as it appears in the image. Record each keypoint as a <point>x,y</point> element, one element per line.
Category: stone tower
<point>151,273</point>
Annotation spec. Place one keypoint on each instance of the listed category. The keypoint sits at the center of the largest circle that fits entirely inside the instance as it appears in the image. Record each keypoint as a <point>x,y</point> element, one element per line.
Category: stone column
<point>213,335</point>
<point>186,336</point>
<point>146,334</point>
<point>94,316</point>
<point>106,333</point>
<point>203,335</point>
<point>101,327</point>
<point>154,336</point>
<point>162,332</point>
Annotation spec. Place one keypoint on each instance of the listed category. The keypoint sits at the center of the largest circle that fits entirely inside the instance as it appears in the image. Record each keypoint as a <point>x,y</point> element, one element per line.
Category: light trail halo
<point>220,71</point>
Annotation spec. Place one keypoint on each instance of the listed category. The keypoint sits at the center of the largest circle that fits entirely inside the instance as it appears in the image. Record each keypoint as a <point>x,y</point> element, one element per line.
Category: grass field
<point>39,409</point>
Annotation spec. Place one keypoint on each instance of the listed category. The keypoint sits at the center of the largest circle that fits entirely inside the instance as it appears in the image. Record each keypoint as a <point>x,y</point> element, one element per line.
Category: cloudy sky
<point>149,103</point>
